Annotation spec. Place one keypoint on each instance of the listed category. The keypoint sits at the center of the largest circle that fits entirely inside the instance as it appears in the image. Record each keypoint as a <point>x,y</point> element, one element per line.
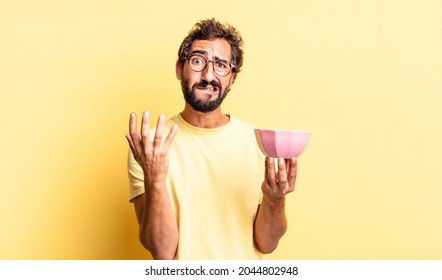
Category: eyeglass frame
<point>232,66</point>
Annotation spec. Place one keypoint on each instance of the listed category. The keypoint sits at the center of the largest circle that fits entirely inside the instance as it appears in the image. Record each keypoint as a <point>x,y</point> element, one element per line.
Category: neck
<point>204,120</point>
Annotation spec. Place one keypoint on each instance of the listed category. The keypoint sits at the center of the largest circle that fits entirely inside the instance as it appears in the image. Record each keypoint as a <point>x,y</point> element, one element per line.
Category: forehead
<point>218,48</point>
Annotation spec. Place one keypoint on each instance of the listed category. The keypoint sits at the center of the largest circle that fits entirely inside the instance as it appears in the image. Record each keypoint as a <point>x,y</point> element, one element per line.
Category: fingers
<point>133,125</point>
<point>145,121</point>
<point>133,137</point>
<point>292,172</point>
<point>281,179</point>
<point>159,132</point>
<point>170,137</point>
<point>131,144</point>
<point>141,142</point>
<point>282,174</point>
<point>270,172</point>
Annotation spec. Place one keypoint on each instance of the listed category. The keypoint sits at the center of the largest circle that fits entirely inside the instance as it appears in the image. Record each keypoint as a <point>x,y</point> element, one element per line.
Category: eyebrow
<point>205,54</point>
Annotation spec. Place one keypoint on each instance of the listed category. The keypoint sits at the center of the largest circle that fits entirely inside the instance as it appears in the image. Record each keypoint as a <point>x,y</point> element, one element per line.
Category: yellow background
<point>364,75</point>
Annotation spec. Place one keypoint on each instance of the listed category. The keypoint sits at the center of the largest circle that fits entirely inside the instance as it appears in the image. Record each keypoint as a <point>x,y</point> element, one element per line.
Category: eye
<point>221,64</point>
<point>196,60</point>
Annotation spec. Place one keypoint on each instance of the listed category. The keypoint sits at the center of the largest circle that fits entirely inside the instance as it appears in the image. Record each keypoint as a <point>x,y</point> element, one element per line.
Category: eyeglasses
<point>221,67</point>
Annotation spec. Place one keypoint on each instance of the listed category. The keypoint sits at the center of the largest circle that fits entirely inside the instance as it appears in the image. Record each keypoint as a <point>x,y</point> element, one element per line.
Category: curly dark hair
<point>211,29</point>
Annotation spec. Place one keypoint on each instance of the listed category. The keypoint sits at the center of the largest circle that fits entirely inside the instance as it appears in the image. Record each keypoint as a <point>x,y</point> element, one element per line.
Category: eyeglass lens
<point>198,63</point>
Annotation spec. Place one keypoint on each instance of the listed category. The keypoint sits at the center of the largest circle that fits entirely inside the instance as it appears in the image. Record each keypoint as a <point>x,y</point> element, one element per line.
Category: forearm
<point>158,226</point>
<point>270,225</point>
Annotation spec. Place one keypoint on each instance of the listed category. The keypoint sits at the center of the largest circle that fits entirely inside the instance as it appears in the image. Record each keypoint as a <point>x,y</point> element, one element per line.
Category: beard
<point>199,105</point>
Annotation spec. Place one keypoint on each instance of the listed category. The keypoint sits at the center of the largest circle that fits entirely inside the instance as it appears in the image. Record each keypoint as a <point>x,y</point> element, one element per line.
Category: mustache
<point>204,83</point>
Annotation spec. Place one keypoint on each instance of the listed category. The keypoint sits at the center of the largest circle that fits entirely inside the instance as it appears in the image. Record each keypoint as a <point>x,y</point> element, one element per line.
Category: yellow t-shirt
<point>214,183</point>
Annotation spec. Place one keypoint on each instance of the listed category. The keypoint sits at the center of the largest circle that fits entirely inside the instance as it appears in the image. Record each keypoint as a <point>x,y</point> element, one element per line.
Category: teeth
<point>211,88</point>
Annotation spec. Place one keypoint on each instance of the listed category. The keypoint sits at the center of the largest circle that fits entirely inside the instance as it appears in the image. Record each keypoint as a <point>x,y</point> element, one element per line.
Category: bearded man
<point>200,186</point>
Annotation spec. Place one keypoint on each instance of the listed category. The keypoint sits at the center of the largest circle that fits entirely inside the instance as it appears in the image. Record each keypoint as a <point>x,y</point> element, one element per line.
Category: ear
<point>232,78</point>
<point>178,70</point>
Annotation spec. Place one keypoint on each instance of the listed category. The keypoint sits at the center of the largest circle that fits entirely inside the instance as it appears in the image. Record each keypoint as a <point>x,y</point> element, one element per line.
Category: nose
<point>209,73</point>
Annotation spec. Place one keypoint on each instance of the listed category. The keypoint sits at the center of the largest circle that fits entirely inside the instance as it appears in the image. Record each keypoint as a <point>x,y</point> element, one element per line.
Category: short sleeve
<point>136,177</point>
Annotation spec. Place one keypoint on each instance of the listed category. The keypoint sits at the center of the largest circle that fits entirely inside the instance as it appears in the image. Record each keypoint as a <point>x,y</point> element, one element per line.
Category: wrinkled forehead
<point>213,49</point>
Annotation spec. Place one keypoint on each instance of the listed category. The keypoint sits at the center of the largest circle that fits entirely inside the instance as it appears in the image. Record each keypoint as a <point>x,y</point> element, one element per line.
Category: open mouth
<point>208,89</point>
